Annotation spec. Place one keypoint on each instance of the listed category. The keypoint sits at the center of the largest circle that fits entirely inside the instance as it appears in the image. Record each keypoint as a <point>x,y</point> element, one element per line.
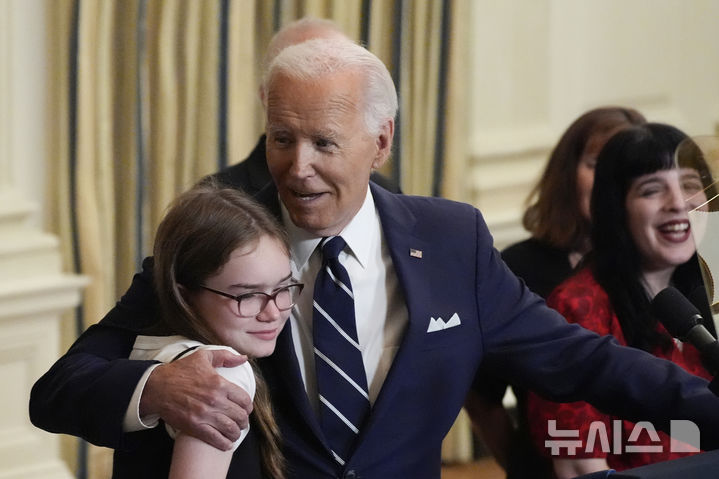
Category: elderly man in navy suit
<point>432,301</point>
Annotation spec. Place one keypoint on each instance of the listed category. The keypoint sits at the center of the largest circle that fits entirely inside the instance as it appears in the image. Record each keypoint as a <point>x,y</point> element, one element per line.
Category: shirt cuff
<point>133,422</point>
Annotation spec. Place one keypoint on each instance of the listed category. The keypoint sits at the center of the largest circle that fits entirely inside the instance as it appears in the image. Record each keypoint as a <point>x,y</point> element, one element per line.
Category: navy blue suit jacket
<point>502,325</point>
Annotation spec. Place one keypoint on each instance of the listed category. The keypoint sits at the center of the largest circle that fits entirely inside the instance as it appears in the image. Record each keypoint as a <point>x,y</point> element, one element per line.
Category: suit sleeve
<point>532,345</point>
<point>87,391</point>
<point>585,304</point>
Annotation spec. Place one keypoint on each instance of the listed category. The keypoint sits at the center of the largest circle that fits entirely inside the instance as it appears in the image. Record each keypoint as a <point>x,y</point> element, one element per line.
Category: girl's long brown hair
<point>202,227</point>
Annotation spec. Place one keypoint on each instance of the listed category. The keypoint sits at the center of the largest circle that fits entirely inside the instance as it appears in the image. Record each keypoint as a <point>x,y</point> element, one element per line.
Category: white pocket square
<point>439,324</point>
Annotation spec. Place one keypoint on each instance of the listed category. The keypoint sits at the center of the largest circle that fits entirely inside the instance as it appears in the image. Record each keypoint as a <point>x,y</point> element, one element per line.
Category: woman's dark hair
<point>199,232</point>
<point>615,258</point>
<point>554,214</point>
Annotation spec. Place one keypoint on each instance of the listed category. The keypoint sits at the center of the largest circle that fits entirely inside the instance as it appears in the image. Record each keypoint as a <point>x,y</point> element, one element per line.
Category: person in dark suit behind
<point>432,299</point>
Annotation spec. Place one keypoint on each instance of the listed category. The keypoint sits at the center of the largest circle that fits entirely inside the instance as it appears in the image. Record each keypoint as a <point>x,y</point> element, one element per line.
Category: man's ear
<point>384,143</point>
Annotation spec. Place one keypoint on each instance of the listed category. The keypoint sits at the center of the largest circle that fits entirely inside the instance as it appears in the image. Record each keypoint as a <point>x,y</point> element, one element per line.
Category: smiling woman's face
<point>657,217</point>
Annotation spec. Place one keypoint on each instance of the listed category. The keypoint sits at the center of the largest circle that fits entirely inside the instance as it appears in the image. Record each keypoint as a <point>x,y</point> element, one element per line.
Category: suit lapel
<point>398,227</point>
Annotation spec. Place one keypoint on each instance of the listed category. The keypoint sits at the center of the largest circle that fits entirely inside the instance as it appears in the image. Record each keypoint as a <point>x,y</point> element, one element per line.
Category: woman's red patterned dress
<point>582,300</point>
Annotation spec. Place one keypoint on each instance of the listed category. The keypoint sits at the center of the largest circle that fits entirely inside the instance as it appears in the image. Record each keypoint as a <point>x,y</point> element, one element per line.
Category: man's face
<point>319,152</point>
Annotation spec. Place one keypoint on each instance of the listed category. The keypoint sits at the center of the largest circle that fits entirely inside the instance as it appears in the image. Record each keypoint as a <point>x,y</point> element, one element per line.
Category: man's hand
<point>189,395</point>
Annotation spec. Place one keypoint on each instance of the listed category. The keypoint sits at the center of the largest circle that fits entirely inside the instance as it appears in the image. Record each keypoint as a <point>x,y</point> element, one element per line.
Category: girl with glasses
<point>223,281</point>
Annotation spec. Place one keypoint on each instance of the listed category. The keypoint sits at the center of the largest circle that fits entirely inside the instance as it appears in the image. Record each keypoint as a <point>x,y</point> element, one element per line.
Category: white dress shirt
<point>380,309</point>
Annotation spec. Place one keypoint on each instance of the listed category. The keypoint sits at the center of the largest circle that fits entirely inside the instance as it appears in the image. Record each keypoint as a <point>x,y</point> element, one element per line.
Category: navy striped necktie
<point>341,378</point>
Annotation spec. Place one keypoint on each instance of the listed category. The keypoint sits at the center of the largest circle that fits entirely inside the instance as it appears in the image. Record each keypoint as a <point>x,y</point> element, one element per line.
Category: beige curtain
<point>182,98</point>
<point>456,115</point>
<point>419,85</point>
<point>139,114</point>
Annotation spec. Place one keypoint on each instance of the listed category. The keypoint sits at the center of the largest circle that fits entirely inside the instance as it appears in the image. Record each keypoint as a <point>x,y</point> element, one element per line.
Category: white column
<point>34,292</point>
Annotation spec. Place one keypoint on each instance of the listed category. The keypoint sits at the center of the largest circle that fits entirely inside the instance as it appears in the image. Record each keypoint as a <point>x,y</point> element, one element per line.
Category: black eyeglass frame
<point>272,296</point>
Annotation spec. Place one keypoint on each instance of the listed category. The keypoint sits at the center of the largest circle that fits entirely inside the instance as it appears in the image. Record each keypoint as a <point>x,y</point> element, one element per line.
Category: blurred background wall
<point>517,72</point>
<point>537,65</point>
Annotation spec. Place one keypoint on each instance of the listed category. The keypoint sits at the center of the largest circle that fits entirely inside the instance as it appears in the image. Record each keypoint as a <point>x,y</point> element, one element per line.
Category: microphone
<point>683,321</point>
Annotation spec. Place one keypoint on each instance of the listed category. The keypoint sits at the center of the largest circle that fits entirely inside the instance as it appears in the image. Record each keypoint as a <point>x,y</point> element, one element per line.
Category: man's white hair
<point>312,59</point>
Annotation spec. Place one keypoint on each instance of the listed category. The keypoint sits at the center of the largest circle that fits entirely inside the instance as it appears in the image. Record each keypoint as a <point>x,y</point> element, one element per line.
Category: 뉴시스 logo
<point>684,434</point>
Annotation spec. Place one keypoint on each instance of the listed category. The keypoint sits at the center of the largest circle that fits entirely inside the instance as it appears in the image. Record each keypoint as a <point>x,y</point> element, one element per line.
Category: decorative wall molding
<point>34,291</point>
<point>505,165</point>
<point>34,294</point>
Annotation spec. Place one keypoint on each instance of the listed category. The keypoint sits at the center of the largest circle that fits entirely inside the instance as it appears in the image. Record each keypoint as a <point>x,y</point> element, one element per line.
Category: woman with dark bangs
<point>641,243</point>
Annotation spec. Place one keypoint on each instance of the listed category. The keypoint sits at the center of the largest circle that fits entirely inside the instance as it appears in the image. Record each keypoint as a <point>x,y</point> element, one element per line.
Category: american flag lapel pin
<point>415,253</point>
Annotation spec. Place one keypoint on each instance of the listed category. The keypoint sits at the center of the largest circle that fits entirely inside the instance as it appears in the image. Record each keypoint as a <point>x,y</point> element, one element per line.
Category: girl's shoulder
<point>171,348</point>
